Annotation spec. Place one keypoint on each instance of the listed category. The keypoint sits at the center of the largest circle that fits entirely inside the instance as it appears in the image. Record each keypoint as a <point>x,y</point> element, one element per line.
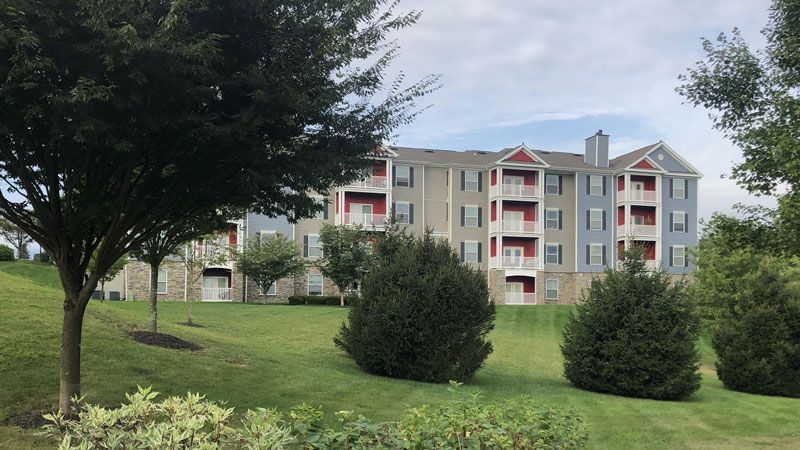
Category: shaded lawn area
<point>281,356</point>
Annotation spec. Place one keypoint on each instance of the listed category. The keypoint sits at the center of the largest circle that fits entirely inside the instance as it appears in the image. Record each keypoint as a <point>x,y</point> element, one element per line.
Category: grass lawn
<point>281,356</point>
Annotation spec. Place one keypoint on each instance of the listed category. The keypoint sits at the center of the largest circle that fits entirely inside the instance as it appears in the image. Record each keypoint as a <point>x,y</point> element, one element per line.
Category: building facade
<point>540,224</point>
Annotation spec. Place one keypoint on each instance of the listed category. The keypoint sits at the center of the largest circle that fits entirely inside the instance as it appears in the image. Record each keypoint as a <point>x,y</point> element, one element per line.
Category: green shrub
<point>635,335</point>
<point>422,314</point>
<point>315,300</point>
<point>42,257</point>
<point>297,300</point>
<point>193,422</point>
<point>757,338</point>
<point>6,253</point>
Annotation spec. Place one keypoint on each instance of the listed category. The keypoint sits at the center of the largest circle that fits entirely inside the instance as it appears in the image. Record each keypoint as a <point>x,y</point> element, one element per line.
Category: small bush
<point>42,257</point>
<point>316,300</point>
<point>193,422</point>
<point>422,314</point>
<point>757,338</point>
<point>6,253</point>
<point>635,335</point>
<point>297,300</point>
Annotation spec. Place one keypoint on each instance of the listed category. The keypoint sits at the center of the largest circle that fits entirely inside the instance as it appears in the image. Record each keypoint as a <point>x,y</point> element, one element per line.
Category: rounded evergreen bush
<point>634,335</point>
<point>422,315</point>
<point>757,338</point>
<point>6,253</point>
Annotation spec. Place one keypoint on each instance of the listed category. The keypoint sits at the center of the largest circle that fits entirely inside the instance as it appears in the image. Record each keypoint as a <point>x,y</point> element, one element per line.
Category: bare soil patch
<point>163,340</point>
<point>26,420</point>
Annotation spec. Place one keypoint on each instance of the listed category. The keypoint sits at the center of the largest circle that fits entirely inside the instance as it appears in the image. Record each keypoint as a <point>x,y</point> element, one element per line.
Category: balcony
<point>221,254</point>
<point>515,190</point>
<point>637,231</point>
<point>515,226</point>
<point>651,264</point>
<point>517,262</point>
<point>216,294</point>
<point>372,182</point>
<point>366,220</point>
<point>636,195</point>
<point>516,298</point>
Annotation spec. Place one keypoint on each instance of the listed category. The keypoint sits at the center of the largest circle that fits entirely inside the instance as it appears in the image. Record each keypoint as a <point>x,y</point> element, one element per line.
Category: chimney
<point>597,150</point>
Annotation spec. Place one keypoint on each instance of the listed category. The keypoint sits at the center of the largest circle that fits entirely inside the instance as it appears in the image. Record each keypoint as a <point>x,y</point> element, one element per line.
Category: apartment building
<point>540,224</point>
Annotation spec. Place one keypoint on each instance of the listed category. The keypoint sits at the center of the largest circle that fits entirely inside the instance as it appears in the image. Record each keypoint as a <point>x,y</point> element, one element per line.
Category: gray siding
<point>257,222</point>
<point>670,205</point>
<point>668,163</point>
<point>584,236</point>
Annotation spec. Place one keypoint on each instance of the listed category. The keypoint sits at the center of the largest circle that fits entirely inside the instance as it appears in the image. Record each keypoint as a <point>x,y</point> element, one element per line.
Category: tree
<point>119,119</point>
<point>422,314</point>
<point>267,260</point>
<point>17,237</point>
<point>171,241</point>
<point>6,253</point>
<point>346,256</point>
<point>196,259</point>
<point>634,335</point>
<point>110,273</point>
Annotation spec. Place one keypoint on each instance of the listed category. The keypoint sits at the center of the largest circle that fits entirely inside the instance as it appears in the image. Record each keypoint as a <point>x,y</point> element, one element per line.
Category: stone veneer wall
<point>138,280</point>
<point>570,286</point>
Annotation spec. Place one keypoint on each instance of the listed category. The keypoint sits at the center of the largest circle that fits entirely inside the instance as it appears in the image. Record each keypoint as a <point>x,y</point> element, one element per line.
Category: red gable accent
<point>643,164</point>
<point>521,156</point>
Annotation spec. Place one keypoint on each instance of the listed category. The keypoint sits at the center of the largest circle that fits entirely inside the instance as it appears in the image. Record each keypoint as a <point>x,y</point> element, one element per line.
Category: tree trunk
<point>189,302</point>
<point>341,298</point>
<point>102,290</point>
<point>71,352</point>
<point>154,297</point>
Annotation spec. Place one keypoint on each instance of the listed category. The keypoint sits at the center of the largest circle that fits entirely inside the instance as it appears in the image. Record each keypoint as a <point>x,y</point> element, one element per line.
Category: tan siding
<point>565,236</point>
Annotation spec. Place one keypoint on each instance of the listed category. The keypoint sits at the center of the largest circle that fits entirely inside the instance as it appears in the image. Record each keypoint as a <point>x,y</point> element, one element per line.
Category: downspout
<point>246,228</point>
<point>185,277</point>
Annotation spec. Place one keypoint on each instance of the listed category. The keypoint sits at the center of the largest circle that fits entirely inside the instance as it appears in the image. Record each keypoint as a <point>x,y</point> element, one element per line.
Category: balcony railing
<point>515,190</point>
<point>651,264</point>
<point>637,230</point>
<point>636,195</point>
<point>515,226</point>
<point>517,262</point>
<point>518,298</point>
<point>374,182</point>
<point>216,294</point>
<point>367,220</point>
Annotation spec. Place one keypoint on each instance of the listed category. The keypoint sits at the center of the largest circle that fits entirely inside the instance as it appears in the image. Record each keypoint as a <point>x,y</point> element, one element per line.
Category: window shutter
<point>685,222</point>
<point>588,219</point>
<point>604,187</point>
<point>560,220</point>
<point>480,217</point>
<point>462,180</point>
<point>604,255</point>
<point>560,252</point>
<point>480,251</point>
<point>410,213</point>
<point>670,256</point>
<point>394,210</point>
<point>588,253</point>
<point>462,208</point>
<point>305,246</point>
<point>560,182</point>
<point>480,181</point>
<point>671,187</point>
<point>588,184</point>
<point>604,220</point>
<point>325,208</point>
<point>671,222</point>
<point>394,176</point>
<point>686,188</point>
<point>411,177</point>
<point>462,251</point>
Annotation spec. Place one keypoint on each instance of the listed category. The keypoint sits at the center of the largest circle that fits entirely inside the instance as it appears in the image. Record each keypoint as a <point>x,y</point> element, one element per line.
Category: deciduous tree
<point>196,258</point>
<point>266,260</point>
<point>17,237</point>
<point>346,256</point>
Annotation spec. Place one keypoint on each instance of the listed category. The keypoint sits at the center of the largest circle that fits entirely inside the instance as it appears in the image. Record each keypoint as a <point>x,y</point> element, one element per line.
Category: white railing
<point>216,294</point>
<point>514,298</point>
<point>637,230</point>
<point>367,220</point>
<point>515,226</point>
<point>651,264</point>
<point>516,262</point>
<point>636,195</point>
<point>370,182</point>
<point>515,190</point>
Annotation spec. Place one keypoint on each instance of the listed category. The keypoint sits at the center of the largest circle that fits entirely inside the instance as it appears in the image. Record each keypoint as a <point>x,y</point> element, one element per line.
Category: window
<point>552,184</point>
<point>471,183</point>
<point>596,219</point>
<point>638,220</point>
<point>551,289</point>
<point>596,254</point>
<point>678,188</point>
<point>471,252</point>
<point>679,256</point>
<point>315,281</point>
<point>161,286</point>
<point>552,219</point>
<point>679,222</point>
<point>263,235</point>
<point>273,289</point>
<point>402,212</point>
<point>314,249</point>
<point>596,185</point>
<point>552,254</point>
<point>471,216</point>
<point>322,213</point>
<point>402,176</point>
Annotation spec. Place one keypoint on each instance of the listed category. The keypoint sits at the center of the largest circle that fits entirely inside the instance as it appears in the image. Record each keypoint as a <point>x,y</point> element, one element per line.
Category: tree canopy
<point>268,259</point>
<point>346,256</point>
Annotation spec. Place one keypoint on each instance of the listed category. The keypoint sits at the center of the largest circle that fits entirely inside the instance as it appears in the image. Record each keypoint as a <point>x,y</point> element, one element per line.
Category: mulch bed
<point>26,420</point>
<point>162,340</point>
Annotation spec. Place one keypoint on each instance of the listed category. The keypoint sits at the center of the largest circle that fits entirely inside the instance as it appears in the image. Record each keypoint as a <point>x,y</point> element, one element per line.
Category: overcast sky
<point>551,73</point>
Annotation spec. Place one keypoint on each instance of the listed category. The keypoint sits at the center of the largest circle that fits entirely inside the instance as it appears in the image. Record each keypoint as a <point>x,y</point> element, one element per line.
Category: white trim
<point>408,211</point>
<point>593,246</point>
<point>477,216</point>
<point>675,155</point>
<point>672,187</point>
<point>396,176</point>
<point>388,150</point>
<point>650,160</point>
<point>672,263</point>
<point>557,289</point>
<point>321,287</point>
<point>522,148</point>
<point>554,244</point>
<point>477,251</point>
<point>684,222</point>
<point>557,211</point>
<point>594,210</point>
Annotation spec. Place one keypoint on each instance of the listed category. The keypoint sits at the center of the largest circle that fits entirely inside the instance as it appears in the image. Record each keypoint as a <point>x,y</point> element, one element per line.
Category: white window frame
<point>407,212</point>
<point>547,185</point>
<point>681,189</point>
<point>551,285</point>
<point>599,185</point>
<point>547,220</point>
<point>468,182</point>
<point>266,234</point>
<point>675,215</point>
<point>467,216</point>
<point>682,257</point>
<point>595,221</point>
<point>158,282</point>
<point>321,284</point>
<point>317,247</point>
<point>273,290</point>
<point>471,256</point>
<point>592,255</point>
<point>548,254</point>
<point>405,179</point>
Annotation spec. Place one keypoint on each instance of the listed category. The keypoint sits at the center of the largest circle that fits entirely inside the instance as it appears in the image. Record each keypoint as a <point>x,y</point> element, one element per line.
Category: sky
<point>551,73</point>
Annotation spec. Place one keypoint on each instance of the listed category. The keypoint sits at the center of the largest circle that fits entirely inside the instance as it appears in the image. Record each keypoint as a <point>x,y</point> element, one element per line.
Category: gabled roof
<point>522,155</point>
<point>628,159</point>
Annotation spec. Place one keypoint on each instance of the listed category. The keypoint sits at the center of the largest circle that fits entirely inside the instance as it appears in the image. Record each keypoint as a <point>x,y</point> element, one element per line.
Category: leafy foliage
<point>347,255</point>
<point>634,335</point>
<point>193,422</point>
<point>757,337</point>
<point>422,315</point>
<point>6,253</point>
<point>16,236</point>
<point>269,259</point>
